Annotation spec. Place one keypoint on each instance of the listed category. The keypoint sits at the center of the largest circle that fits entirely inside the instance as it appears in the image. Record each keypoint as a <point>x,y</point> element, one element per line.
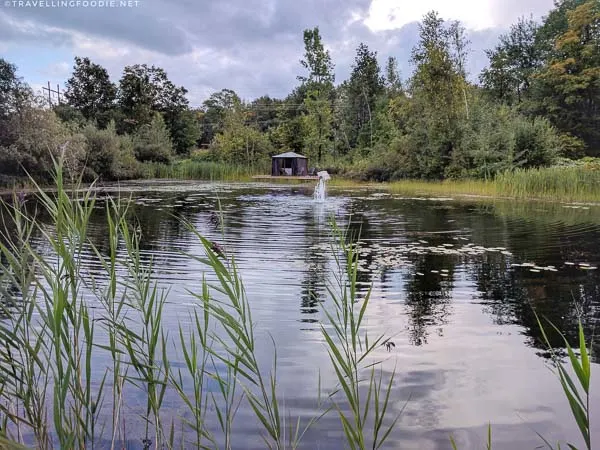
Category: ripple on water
<point>451,287</point>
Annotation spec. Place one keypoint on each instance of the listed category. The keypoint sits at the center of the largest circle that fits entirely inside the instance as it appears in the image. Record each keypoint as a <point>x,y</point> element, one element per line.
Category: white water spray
<point>321,188</point>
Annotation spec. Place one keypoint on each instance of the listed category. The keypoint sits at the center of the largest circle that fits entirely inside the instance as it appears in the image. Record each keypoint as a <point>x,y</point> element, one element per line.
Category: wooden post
<point>52,91</point>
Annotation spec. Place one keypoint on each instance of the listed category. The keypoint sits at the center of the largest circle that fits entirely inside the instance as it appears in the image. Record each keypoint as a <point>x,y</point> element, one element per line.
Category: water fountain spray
<point>321,188</point>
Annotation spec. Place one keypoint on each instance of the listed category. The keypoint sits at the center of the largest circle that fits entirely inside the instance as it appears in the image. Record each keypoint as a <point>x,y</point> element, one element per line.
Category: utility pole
<point>52,91</point>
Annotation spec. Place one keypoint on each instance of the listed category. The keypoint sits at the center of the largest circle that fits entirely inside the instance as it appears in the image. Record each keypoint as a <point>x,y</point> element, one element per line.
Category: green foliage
<point>36,137</point>
<point>359,98</point>
<point>578,395</point>
<point>194,169</point>
<point>513,63</point>
<point>538,100</point>
<point>535,143</point>
<point>145,90</point>
<point>109,156</point>
<point>90,91</point>
<point>569,84</point>
<point>152,141</point>
<point>316,59</point>
<point>393,82</point>
<point>70,115</point>
<point>14,93</point>
<point>240,143</point>
<point>349,348</point>
<point>185,130</point>
<point>214,111</point>
<point>317,125</point>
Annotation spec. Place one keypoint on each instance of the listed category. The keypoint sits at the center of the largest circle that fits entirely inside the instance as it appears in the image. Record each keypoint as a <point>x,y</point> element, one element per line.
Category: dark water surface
<point>449,288</point>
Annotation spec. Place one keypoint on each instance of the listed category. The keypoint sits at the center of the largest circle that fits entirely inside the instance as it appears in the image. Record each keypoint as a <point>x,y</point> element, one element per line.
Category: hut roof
<point>289,155</point>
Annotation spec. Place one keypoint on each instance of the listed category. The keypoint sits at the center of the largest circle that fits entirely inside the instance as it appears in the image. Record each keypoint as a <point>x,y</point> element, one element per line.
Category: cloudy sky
<point>251,46</point>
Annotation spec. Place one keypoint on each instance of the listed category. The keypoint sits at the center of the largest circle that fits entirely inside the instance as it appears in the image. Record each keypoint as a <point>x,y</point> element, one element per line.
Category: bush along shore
<point>68,371</point>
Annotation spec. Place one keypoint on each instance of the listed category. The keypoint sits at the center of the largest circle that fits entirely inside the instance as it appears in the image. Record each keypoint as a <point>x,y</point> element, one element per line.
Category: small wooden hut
<point>289,164</point>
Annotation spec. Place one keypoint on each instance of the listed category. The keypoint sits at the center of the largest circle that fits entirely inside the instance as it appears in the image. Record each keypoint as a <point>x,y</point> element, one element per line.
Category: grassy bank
<point>189,169</point>
<point>555,183</point>
<point>577,183</point>
<point>566,184</point>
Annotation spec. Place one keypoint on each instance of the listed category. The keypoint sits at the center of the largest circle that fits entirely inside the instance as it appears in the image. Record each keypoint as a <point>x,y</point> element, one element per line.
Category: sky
<point>251,46</point>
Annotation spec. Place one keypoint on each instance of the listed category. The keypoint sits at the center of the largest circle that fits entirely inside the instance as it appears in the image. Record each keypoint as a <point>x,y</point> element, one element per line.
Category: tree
<point>145,90</point>
<point>109,156</point>
<point>363,89</point>
<point>498,79</point>
<point>214,111</point>
<point>513,63</point>
<point>316,59</point>
<point>460,46</point>
<point>15,97</point>
<point>436,88</point>
<point>38,136</point>
<point>153,142</point>
<point>240,142</point>
<point>185,130</point>
<point>264,112</point>
<point>317,124</point>
<point>393,83</point>
<point>569,85</point>
<point>555,24</point>
<point>90,91</point>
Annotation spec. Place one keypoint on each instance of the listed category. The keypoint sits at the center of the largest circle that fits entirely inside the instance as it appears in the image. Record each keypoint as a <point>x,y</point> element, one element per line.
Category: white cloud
<point>474,14</point>
<point>392,14</point>
<point>57,70</point>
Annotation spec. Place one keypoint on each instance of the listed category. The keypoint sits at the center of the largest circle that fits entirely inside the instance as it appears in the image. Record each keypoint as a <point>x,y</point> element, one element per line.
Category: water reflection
<point>448,285</point>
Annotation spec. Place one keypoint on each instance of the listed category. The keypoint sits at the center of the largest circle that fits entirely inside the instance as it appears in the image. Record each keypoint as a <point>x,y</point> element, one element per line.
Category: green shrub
<point>152,142</point>
<point>536,143</point>
<point>36,136</point>
<point>109,156</point>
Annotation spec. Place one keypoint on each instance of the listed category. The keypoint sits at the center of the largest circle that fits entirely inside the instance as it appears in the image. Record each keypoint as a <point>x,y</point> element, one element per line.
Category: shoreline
<point>470,189</point>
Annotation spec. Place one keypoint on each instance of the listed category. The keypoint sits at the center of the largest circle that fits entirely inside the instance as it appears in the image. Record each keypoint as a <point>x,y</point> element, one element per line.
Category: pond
<point>454,283</point>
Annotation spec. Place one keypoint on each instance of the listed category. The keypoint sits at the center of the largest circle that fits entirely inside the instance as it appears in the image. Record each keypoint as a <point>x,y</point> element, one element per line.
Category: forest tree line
<point>537,102</point>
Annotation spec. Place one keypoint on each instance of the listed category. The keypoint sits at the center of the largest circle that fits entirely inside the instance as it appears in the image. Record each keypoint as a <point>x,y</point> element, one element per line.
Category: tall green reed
<point>576,390</point>
<point>190,169</point>
<point>350,351</point>
<point>52,324</point>
<point>239,354</point>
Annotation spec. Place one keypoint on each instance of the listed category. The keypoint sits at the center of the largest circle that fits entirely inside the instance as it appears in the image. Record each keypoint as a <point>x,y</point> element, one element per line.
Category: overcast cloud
<point>251,46</point>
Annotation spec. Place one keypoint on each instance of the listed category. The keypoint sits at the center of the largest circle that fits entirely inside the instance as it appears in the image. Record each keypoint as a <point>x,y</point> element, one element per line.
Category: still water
<point>454,281</point>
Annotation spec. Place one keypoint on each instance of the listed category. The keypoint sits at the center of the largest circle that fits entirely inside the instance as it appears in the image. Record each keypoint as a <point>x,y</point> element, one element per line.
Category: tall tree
<point>214,110</point>
<point>318,90</point>
<point>317,124</point>
<point>15,96</point>
<point>514,62</point>
<point>240,142</point>
<point>437,101</point>
<point>90,91</point>
<point>184,127</point>
<point>316,59</point>
<point>144,90</point>
<point>437,75</point>
<point>460,48</point>
<point>569,85</point>
<point>393,82</point>
<point>364,87</point>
